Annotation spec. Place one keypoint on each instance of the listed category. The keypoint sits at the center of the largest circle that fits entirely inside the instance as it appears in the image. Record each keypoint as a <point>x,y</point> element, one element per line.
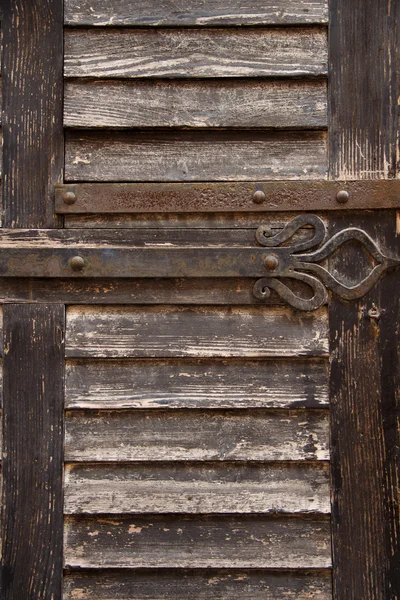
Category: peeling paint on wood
<point>183,435</point>
<point>197,489</point>
<point>102,384</point>
<point>196,542</point>
<point>123,332</point>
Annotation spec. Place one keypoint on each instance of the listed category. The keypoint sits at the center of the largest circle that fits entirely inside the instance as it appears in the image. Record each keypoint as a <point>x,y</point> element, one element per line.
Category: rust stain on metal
<point>123,198</point>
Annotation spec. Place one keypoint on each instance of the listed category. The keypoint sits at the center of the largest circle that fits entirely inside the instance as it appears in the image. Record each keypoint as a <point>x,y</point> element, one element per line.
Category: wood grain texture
<point>123,332</point>
<point>32,78</point>
<point>102,384</point>
<point>194,156</point>
<point>191,53</point>
<point>201,585</point>
<point>365,384</point>
<point>183,435</point>
<point>141,291</point>
<point>196,542</point>
<point>194,489</point>
<point>364,88</point>
<point>196,104</point>
<point>32,451</point>
<point>220,12</point>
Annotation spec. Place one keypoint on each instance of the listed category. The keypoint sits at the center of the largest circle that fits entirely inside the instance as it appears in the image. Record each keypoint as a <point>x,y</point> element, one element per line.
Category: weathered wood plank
<point>364,89</point>
<point>196,542</point>
<point>123,332</point>
<point>365,384</point>
<point>201,585</point>
<point>32,78</point>
<point>196,384</point>
<point>195,52</point>
<point>220,12</point>
<point>13,239</point>
<point>194,489</point>
<point>194,156</point>
<point>196,104</point>
<point>32,513</point>
<point>230,291</point>
<point>183,435</point>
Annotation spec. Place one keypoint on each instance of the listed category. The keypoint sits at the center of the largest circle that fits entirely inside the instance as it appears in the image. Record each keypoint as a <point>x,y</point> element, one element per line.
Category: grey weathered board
<point>196,52</point>
<point>190,12</point>
<point>187,435</point>
<point>196,542</point>
<point>195,156</point>
<point>123,332</point>
<point>202,585</point>
<point>108,384</point>
<point>196,104</point>
<point>199,489</point>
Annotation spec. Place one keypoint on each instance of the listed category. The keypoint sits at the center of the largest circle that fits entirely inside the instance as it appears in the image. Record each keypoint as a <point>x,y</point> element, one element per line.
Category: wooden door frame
<point>363,144</point>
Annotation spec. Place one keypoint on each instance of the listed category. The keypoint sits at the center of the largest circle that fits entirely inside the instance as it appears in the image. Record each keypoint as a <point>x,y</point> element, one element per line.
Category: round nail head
<point>342,196</point>
<point>258,197</point>
<point>76,263</point>
<point>69,197</point>
<point>271,262</point>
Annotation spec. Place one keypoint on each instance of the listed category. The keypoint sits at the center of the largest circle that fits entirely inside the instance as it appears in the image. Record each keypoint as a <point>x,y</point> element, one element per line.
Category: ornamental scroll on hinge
<point>293,263</point>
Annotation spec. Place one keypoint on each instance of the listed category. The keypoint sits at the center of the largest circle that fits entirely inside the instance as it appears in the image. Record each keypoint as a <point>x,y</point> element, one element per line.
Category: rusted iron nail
<point>76,263</point>
<point>342,196</point>
<point>258,197</point>
<point>271,262</point>
<point>69,197</point>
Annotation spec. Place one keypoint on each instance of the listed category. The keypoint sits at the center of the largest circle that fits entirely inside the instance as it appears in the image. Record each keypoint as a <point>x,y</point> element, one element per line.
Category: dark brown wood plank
<point>365,384</point>
<point>221,12</point>
<point>201,585</point>
<point>195,52</point>
<point>196,542</point>
<point>195,156</point>
<point>102,384</point>
<point>195,489</point>
<point>240,104</point>
<point>148,198</point>
<point>364,87</point>
<point>192,435</point>
<point>32,77</point>
<point>32,451</point>
<point>140,291</point>
<point>124,332</point>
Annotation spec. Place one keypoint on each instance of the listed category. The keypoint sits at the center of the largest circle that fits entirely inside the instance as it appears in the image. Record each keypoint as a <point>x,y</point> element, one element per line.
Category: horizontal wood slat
<point>201,384</point>
<point>183,435</point>
<point>196,542</point>
<point>196,104</point>
<point>110,291</point>
<point>22,239</point>
<point>195,52</point>
<point>189,12</point>
<point>123,332</point>
<point>196,489</point>
<point>195,156</point>
<point>201,585</point>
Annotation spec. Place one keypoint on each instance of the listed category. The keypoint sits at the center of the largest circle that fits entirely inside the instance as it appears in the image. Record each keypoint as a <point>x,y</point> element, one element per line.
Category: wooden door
<point>200,300</point>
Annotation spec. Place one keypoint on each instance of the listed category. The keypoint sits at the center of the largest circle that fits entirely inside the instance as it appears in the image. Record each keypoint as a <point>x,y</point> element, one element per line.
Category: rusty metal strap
<point>271,264</point>
<point>108,198</point>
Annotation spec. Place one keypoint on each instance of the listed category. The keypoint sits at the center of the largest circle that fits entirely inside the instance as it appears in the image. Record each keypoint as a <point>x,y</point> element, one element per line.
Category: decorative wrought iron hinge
<point>293,263</point>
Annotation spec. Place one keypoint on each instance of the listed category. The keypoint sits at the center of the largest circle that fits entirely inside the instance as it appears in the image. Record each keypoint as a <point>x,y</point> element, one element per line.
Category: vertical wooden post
<point>32,78</point>
<point>33,451</point>
<point>364,349</point>
<point>32,81</point>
